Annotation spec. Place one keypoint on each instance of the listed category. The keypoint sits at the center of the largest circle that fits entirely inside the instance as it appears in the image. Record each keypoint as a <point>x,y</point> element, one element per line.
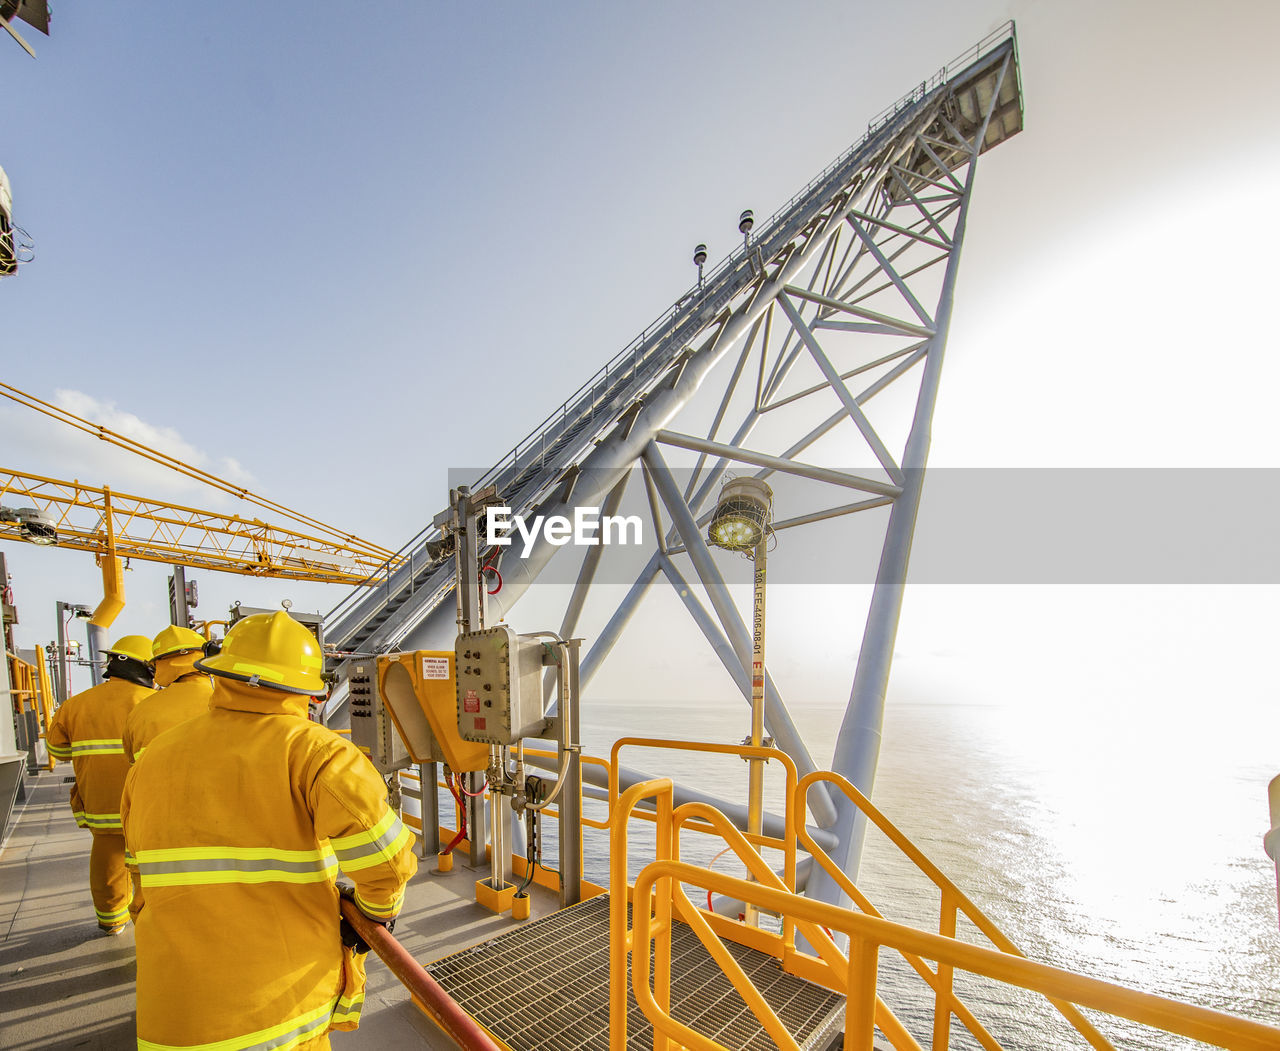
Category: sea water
<point>1094,845</point>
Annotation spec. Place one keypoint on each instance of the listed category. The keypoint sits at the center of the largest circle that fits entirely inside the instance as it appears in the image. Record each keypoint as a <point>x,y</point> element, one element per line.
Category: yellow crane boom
<point>335,537</point>
<point>106,522</point>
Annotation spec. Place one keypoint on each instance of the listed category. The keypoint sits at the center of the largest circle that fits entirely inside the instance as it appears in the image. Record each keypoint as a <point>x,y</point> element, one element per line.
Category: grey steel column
<point>475,817</point>
<point>429,810</point>
<point>97,643</point>
<point>571,794</point>
<point>178,600</point>
<point>714,636</point>
<point>500,873</point>
<point>60,665</point>
<point>32,737</point>
<point>857,749</point>
<point>470,617</point>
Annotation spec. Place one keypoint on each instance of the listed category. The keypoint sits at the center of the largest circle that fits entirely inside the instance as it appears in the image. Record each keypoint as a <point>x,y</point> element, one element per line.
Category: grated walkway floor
<point>545,987</point>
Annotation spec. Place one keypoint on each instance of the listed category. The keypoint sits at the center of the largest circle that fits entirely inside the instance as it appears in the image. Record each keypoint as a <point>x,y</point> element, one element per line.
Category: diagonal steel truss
<point>841,303</point>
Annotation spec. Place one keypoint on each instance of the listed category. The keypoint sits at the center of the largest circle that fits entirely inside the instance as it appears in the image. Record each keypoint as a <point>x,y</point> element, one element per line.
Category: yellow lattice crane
<point>115,525</point>
<point>110,523</point>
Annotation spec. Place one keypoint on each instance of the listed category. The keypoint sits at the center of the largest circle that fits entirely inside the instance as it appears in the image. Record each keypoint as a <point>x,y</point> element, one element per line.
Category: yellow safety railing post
<point>946,976</point>
<point>665,849</point>
<point>980,920</point>
<point>860,1008</point>
<point>620,938</point>
<point>46,694</point>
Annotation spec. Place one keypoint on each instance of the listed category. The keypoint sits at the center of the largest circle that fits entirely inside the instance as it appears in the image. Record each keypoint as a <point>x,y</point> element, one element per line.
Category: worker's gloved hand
<point>350,938</point>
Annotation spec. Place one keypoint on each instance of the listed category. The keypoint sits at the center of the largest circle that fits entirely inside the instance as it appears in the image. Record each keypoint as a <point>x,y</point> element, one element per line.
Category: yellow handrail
<point>818,936</point>
<point>743,751</point>
<point>952,900</point>
<point>32,689</point>
<point>45,683</point>
<point>868,933</point>
<point>852,974</point>
<point>619,942</point>
<point>586,760</point>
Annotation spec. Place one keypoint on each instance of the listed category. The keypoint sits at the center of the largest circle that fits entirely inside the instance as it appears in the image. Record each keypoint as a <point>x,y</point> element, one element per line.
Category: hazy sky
<point>333,253</point>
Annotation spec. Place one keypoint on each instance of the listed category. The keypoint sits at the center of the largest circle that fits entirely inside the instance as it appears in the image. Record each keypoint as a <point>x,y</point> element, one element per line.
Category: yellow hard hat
<point>174,640</point>
<point>137,647</point>
<point>270,649</point>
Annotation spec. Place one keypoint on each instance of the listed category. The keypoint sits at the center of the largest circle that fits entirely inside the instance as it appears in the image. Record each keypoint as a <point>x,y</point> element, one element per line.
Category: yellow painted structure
<point>32,691</point>
<point>498,901</point>
<point>420,694</point>
<point>103,521</point>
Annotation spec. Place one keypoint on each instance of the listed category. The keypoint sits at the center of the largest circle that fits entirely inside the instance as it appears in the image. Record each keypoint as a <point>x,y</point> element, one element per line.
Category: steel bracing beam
<point>777,718</point>
<point>855,277</point>
<point>857,750</point>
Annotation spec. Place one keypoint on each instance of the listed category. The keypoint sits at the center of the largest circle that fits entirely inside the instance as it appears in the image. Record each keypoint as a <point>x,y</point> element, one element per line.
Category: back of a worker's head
<point>130,659</point>
<point>174,652</point>
<point>269,651</point>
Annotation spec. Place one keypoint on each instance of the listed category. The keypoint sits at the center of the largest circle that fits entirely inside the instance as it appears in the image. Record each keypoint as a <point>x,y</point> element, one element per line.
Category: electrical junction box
<point>499,686</point>
<point>419,692</point>
<point>371,730</point>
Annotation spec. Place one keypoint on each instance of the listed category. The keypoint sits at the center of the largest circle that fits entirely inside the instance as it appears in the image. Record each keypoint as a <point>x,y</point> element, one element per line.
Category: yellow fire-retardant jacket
<point>182,698</point>
<point>235,824</point>
<point>87,731</point>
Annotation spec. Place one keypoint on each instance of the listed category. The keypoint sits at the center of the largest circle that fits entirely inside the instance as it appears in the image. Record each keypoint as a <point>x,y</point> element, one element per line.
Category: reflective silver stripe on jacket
<point>375,845</point>
<point>234,866</point>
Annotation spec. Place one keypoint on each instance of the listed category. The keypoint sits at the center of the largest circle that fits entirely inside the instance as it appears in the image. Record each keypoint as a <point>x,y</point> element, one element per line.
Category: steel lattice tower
<point>851,282</point>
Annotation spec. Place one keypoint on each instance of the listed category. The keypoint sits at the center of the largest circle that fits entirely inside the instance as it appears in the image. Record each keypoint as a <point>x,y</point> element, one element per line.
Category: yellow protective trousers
<point>109,880</point>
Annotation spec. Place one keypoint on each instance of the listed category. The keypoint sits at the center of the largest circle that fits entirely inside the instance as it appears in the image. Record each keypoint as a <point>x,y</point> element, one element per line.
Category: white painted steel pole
<point>857,750</point>
<point>735,629</point>
<point>755,785</point>
<point>1271,841</point>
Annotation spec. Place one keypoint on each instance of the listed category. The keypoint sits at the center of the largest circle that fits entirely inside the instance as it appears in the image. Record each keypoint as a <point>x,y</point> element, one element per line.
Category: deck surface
<point>64,985</point>
<point>545,987</point>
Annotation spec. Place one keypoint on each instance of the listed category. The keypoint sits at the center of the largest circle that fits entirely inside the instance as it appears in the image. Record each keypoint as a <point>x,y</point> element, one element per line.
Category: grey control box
<point>499,675</point>
<point>371,728</point>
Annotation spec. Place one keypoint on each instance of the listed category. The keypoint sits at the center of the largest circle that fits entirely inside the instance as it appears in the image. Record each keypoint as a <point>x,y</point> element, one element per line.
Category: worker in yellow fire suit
<point>236,822</point>
<point>181,691</point>
<point>88,732</point>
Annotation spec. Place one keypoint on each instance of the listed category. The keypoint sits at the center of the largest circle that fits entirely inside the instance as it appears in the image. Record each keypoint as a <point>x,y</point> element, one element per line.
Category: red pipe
<point>462,814</point>
<point>460,1026</point>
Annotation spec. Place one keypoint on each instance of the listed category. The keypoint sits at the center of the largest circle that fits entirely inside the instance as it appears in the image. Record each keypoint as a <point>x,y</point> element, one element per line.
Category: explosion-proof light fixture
<point>742,515</point>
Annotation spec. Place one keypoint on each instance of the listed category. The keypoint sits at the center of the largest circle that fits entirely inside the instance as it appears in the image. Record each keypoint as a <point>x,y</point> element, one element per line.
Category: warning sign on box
<point>435,667</point>
<point>470,702</point>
